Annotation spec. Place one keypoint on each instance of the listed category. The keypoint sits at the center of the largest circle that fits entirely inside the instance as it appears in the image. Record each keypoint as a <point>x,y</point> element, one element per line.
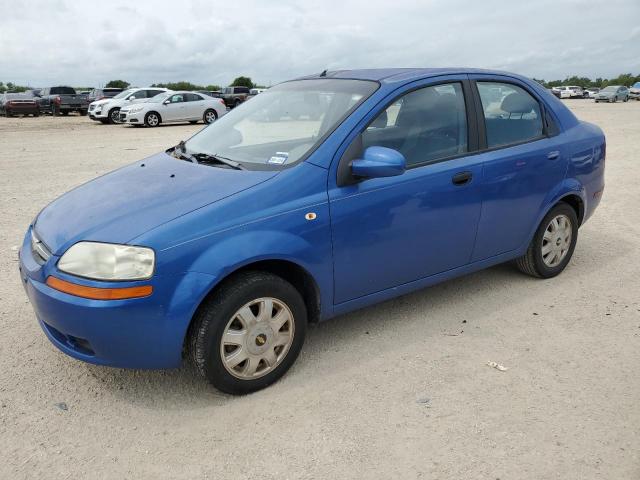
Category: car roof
<point>397,75</point>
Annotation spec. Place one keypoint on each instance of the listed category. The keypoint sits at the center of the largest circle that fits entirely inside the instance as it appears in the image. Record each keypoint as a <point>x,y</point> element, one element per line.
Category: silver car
<point>170,107</point>
<point>612,94</point>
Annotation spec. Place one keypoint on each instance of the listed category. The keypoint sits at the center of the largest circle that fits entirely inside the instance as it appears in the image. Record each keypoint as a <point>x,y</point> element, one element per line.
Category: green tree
<point>182,85</point>
<point>212,88</point>
<point>242,82</point>
<point>117,84</point>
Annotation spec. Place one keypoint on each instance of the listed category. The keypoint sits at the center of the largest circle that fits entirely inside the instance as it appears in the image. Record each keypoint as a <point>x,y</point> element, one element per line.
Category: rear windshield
<point>17,96</point>
<point>62,91</point>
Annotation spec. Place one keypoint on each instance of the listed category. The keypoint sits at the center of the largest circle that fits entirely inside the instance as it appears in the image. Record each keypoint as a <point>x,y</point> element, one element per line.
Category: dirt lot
<point>399,390</point>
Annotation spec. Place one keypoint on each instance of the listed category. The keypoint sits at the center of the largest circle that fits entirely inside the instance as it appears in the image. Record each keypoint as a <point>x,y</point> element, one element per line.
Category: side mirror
<point>379,162</point>
<point>166,102</point>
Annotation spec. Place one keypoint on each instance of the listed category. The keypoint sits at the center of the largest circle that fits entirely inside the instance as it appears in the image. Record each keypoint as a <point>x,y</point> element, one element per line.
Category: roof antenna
<point>324,73</point>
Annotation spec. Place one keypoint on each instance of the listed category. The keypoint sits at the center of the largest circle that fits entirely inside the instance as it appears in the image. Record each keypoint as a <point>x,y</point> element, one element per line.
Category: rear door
<point>524,160</point>
<point>194,106</point>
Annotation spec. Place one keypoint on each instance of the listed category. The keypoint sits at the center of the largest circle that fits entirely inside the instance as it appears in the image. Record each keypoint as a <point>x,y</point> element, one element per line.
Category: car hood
<point>124,204</point>
<point>101,102</point>
<point>606,94</point>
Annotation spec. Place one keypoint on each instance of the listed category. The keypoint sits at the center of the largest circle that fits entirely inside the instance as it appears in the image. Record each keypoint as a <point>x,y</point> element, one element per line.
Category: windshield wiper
<point>180,152</point>
<point>207,158</point>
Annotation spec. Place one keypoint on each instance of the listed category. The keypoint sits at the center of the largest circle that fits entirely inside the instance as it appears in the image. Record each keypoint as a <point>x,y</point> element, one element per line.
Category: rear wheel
<point>152,119</point>
<point>248,335</point>
<point>210,116</point>
<point>553,243</point>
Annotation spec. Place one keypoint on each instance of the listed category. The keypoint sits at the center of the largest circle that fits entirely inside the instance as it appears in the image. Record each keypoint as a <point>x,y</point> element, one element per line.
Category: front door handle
<point>553,155</point>
<point>461,178</point>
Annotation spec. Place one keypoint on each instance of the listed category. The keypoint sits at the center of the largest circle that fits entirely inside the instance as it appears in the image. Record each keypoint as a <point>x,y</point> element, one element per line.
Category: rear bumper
<point>135,333</point>
<point>31,109</point>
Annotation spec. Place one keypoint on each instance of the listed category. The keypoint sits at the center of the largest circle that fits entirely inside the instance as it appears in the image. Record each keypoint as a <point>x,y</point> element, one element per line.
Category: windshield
<point>636,85</point>
<point>125,93</point>
<point>283,124</point>
<point>609,89</point>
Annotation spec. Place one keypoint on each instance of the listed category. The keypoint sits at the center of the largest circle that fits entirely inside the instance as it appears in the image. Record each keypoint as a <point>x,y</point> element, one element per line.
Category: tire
<point>114,115</point>
<point>596,101</point>
<point>37,114</point>
<point>626,99</point>
<point>237,102</point>
<point>221,313</point>
<point>533,262</point>
<point>83,112</point>
<point>209,116</point>
<point>152,119</point>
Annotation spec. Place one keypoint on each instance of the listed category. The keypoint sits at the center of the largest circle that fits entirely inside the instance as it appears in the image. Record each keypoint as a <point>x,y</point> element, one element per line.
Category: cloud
<point>78,43</point>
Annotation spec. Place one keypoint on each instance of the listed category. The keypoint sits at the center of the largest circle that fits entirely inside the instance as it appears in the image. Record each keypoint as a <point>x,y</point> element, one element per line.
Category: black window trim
<point>354,150</point>
<point>548,131</point>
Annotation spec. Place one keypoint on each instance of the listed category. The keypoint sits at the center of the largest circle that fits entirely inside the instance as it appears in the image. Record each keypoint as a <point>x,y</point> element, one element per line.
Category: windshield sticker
<point>279,158</point>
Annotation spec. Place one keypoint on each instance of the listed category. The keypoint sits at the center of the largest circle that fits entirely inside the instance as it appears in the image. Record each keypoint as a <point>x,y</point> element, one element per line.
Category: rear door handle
<point>461,178</point>
<point>553,155</point>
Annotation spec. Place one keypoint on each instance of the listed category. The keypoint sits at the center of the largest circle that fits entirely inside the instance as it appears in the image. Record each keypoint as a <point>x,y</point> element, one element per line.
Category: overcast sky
<point>88,43</point>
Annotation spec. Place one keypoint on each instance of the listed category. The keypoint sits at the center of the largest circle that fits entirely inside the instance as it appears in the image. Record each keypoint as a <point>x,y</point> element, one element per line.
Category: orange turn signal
<point>95,293</point>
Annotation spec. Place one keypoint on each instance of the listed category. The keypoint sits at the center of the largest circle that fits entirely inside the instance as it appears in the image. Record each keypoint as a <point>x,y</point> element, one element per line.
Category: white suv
<point>108,110</point>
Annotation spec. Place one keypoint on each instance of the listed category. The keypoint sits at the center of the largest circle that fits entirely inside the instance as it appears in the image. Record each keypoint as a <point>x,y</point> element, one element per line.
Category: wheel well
<point>291,272</point>
<point>576,203</point>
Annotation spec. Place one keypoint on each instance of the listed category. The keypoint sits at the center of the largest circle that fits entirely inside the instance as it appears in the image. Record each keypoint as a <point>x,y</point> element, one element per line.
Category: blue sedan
<point>320,196</point>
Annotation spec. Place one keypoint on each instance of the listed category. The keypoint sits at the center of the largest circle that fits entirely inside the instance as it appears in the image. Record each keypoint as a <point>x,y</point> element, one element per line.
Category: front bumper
<point>634,95</point>
<point>135,333</point>
<point>134,118</point>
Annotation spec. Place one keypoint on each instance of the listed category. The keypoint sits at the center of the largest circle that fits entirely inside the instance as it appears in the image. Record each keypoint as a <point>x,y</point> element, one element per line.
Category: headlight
<point>106,261</point>
<point>135,110</point>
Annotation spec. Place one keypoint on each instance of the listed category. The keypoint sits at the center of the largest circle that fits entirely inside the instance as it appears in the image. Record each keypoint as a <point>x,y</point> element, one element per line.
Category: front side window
<point>511,114</point>
<point>283,124</point>
<point>177,98</point>
<point>424,125</point>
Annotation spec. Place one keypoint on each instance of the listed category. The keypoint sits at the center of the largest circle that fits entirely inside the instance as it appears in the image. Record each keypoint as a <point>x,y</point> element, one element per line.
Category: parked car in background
<point>612,94</point>
<point>18,104</point>
<point>33,92</point>
<point>171,107</point>
<point>225,247</point>
<point>254,91</point>
<point>234,96</point>
<point>102,93</point>
<point>634,91</point>
<point>61,100</point>
<point>570,91</point>
<point>107,110</point>
<point>211,93</point>
<point>592,92</point>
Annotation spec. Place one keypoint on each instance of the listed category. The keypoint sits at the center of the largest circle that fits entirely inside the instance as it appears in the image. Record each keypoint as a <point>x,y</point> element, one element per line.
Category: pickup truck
<point>234,96</point>
<point>61,100</point>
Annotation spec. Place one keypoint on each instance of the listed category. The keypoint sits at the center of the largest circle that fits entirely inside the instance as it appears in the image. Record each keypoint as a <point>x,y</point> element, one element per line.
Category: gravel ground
<point>398,390</point>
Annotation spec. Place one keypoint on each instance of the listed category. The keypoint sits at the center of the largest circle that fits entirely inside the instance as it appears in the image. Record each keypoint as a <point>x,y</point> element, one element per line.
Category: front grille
<point>39,250</point>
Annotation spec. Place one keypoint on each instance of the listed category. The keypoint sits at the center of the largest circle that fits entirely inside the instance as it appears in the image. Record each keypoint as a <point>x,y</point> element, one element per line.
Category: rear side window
<point>242,89</point>
<point>425,125</point>
<point>511,114</point>
<point>192,97</point>
<point>62,91</point>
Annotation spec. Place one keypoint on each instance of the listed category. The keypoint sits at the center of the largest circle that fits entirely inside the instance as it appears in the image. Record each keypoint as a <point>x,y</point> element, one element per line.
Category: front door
<point>394,230</point>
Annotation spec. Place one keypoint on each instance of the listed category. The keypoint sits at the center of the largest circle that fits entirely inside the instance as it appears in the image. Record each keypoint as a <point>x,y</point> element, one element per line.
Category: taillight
<point>222,101</point>
<point>10,102</point>
<point>101,98</point>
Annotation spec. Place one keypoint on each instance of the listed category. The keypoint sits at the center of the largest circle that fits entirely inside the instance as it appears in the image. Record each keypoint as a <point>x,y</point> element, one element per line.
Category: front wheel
<point>553,243</point>
<point>249,333</point>
<point>210,116</point>
<point>152,119</point>
<point>114,115</point>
